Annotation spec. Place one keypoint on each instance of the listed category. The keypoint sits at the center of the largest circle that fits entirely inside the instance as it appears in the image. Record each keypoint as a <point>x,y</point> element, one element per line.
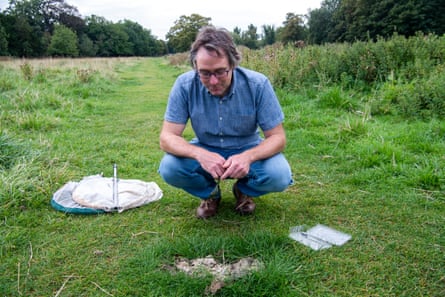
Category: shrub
<point>335,97</point>
<point>364,63</point>
<point>421,97</point>
<point>27,71</point>
<point>405,75</point>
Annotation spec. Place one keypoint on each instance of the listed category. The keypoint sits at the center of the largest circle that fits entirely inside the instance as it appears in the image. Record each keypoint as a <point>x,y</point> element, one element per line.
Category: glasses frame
<point>219,73</point>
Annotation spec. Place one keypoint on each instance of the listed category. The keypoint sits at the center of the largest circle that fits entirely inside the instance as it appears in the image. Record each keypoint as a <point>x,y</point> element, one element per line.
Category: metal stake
<point>115,188</point>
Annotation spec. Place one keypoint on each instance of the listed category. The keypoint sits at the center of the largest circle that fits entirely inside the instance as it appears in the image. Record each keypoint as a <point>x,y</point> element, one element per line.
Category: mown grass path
<point>122,126</point>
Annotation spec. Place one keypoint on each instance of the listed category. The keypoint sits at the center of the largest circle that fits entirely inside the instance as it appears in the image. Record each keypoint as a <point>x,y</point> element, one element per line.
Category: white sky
<point>159,16</point>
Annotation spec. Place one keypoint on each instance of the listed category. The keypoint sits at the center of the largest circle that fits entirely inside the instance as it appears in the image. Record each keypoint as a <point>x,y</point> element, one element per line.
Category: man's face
<point>214,71</point>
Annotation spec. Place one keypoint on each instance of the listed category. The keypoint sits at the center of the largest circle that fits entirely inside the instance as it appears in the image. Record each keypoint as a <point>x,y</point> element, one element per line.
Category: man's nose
<point>213,79</point>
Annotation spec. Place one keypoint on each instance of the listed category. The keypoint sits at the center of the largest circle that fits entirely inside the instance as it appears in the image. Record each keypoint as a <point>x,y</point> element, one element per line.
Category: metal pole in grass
<point>115,189</point>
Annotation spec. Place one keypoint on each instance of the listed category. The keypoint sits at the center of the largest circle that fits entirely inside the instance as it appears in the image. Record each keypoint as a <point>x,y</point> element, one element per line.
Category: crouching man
<point>226,105</point>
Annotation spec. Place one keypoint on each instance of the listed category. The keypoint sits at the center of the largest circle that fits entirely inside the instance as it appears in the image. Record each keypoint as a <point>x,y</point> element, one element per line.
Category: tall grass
<point>404,74</point>
<point>36,95</point>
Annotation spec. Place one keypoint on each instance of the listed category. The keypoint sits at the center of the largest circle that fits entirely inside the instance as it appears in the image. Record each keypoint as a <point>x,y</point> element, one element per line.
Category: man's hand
<point>211,162</point>
<point>237,166</point>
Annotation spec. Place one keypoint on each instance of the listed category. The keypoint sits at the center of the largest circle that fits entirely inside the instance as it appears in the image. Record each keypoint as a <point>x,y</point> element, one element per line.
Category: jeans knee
<point>166,170</point>
<point>282,184</point>
<point>281,181</point>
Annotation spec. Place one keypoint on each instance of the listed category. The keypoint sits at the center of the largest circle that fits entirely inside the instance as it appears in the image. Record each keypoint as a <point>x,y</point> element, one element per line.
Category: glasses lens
<point>219,73</point>
<point>204,74</point>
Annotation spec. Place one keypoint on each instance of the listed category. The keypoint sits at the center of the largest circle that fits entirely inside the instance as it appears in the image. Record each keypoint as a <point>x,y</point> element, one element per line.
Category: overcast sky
<point>160,15</point>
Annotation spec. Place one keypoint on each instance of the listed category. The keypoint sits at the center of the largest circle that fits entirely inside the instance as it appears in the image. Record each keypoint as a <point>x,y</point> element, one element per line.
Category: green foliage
<point>63,42</point>
<point>143,43</point>
<point>419,98</point>
<point>293,29</point>
<point>29,27</point>
<point>249,38</point>
<point>320,23</point>
<point>24,40</point>
<point>269,35</point>
<point>402,75</point>
<point>349,21</point>
<point>181,36</point>
<point>335,98</point>
<point>3,41</point>
<point>28,24</point>
<point>87,48</point>
<point>43,13</point>
<point>109,39</point>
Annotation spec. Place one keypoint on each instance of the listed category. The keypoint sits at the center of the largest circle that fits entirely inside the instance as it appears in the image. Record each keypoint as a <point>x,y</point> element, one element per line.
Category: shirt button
<point>220,118</point>
<point>221,140</point>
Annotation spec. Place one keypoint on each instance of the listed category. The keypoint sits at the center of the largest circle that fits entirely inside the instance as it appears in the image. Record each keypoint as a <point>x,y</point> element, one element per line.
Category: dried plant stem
<point>103,290</point>
<point>29,260</point>
<point>18,279</point>
<point>27,272</point>
<point>63,285</point>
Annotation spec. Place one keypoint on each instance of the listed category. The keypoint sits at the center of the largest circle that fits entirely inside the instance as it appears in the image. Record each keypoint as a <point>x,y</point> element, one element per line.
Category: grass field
<point>378,178</point>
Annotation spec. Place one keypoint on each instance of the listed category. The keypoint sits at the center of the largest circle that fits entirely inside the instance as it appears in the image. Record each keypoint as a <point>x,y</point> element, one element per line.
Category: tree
<point>73,21</point>
<point>352,20</point>
<point>249,38</point>
<point>25,40</point>
<point>109,39</point>
<point>319,23</point>
<point>32,22</point>
<point>183,33</point>
<point>3,42</point>
<point>43,13</point>
<point>63,42</point>
<point>269,35</point>
<point>29,26</point>
<point>143,43</point>
<point>236,35</point>
<point>435,9</point>
<point>3,37</point>
<point>161,47</point>
<point>293,29</point>
<point>118,41</point>
<point>413,16</point>
<point>87,48</point>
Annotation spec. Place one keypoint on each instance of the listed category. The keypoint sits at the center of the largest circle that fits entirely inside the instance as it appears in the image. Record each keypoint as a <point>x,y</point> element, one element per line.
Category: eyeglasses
<point>219,73</point>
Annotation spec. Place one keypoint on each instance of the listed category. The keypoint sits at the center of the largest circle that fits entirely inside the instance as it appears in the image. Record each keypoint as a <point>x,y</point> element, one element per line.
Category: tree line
<point>36,28</point>
<point>352,20</point>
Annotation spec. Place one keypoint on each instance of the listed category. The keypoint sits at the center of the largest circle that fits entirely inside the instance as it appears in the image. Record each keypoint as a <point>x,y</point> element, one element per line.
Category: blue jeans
<point>265,176</point>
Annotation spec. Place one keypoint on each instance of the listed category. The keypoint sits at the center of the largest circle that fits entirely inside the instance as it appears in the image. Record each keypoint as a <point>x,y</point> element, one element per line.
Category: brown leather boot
<point>244,204</point>
<point>209,206</point>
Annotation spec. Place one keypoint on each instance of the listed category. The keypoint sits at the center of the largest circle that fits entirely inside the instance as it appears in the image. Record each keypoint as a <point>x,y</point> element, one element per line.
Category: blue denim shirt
<point>230,122</point>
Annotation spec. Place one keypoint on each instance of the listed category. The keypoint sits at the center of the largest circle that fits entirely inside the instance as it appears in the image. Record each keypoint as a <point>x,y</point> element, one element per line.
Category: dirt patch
<point>222,272</point>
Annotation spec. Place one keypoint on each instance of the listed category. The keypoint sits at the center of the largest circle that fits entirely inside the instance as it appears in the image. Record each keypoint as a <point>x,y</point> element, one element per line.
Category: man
<point>226,104</point>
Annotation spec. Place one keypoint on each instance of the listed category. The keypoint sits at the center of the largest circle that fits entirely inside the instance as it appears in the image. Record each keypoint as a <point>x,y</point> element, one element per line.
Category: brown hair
<point>218,40</point>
